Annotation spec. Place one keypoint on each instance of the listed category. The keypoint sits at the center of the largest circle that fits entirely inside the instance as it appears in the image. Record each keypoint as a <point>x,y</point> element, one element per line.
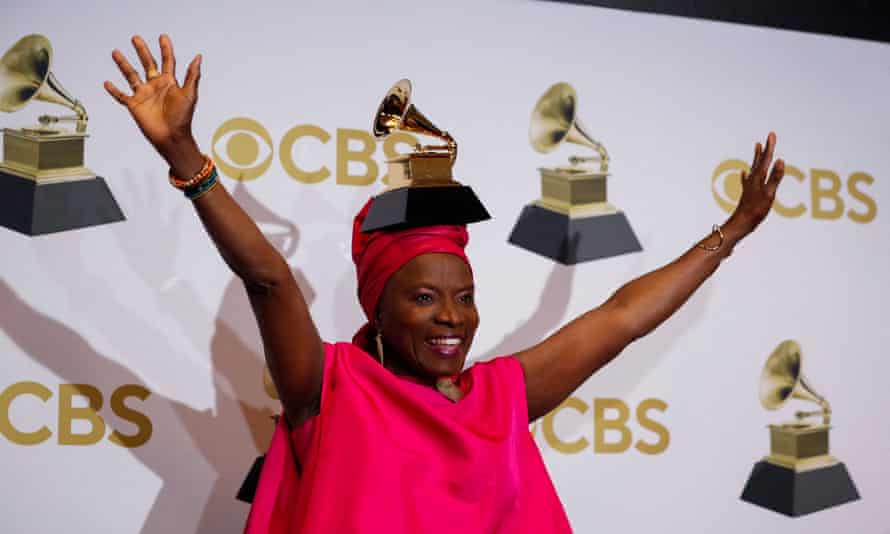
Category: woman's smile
<point>446,346</point>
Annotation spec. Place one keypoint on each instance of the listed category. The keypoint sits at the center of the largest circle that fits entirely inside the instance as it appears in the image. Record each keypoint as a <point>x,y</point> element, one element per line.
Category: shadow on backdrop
<point>553,304</point>
<point>237,428</point>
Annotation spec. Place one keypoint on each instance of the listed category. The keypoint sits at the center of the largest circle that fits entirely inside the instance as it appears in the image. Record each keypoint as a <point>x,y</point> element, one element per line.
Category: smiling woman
<point>429,308</point>
<point>409,440</point>
<point>416,289</point>
<point>389,433</point>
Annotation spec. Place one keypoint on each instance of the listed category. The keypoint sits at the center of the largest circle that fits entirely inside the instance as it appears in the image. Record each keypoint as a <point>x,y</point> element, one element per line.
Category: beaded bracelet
<point>209,166</point>
<point>198,191</point>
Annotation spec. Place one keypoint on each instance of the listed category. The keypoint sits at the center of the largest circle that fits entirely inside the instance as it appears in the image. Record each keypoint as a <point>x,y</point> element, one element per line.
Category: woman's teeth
<point>446,341</point>
<point>447,347</point>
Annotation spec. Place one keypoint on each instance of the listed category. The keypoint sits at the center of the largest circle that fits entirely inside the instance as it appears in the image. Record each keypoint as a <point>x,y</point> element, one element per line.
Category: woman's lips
<point>445,346</point>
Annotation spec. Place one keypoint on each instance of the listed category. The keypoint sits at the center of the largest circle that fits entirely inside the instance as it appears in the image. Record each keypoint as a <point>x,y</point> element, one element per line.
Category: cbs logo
<point>824,198</point>
<point>243,150</point>
<point>87,416</point>
<point>610,421</point>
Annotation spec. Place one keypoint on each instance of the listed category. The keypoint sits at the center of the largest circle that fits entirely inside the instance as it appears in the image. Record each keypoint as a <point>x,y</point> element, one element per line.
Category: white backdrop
<point>148,301</point>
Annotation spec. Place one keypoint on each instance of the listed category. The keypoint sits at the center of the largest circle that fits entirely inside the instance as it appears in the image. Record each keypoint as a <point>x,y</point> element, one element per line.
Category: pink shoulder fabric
<point>386,454</point>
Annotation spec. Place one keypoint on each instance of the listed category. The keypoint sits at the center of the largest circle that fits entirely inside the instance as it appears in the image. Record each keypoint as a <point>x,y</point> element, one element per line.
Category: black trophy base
<point>794,494</point>
<point>249,486</point>
<point>570,241</point>
<point>35,209</point>
<point>411,207</point>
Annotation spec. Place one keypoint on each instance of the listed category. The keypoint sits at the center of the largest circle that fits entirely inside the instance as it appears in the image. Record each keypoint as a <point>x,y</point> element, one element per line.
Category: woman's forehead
<point>435,269</point>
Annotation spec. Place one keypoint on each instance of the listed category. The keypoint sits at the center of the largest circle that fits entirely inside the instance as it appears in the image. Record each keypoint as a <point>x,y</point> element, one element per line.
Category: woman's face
<point>428,316</point>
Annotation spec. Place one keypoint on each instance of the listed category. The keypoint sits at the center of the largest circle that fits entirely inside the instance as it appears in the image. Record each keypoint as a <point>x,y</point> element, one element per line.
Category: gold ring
<point>151,74</point>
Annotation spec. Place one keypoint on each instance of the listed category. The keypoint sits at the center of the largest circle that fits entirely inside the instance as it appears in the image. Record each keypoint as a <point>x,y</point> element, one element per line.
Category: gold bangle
<point>715,230</point>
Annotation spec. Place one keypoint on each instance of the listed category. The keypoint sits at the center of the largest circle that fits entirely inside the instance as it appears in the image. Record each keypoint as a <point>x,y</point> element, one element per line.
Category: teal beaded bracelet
<point>194,193</point>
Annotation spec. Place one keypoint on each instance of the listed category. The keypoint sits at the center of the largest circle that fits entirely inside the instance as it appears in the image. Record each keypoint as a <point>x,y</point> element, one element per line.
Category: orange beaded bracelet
<point>195,180</point>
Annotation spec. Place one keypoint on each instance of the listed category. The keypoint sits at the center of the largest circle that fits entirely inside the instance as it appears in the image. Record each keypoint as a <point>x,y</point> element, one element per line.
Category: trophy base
<point>794,493</point>
<point>43,153</point>
<point>33,208</point>
<point>249,486</point>
<point>410,207</point>
<point>573,240</point>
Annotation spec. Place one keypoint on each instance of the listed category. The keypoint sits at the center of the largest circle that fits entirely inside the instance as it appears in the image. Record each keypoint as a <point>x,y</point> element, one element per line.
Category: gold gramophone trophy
<point>44,185</point>
<point>799,476</point>
<point>422,191</point>
<point>572,222</point>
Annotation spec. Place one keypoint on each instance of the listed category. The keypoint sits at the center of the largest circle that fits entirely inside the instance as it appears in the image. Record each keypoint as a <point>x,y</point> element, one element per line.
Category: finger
<point>126,69</point>
<point>755,163</point>
<point>775,177</point>
<point>768,153</point>
<point>168,60</point>
<point>192,77</point>
<point>758,149</point>
<point>148,61</point>
<point>116,93</point>
<point>744,175</point>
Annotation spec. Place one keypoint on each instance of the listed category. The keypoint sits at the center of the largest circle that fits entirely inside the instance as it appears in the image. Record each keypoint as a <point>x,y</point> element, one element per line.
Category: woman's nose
<point>449,314</point>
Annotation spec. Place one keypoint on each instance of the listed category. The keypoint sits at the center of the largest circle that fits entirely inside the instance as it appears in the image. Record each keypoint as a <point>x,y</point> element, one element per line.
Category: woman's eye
<point>467,299</point>
<point>423,298</point>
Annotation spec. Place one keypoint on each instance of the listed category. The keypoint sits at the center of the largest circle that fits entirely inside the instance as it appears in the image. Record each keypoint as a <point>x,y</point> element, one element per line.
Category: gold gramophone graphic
<point>422,190</point>
<point>572,222</point>
<point>799,476</point>
<point>44,185</point>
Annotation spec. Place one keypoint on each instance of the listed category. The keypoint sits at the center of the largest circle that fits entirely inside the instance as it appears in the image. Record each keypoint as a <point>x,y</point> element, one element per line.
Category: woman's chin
<point>438,367</point>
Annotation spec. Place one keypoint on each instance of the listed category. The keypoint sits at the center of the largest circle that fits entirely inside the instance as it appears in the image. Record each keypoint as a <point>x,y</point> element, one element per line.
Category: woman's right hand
<point>160,106</point>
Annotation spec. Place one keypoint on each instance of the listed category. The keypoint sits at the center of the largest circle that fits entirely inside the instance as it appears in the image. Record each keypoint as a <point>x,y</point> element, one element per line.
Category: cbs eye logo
<point>821,193</point>
<point>240,139</point>
<point>244,150</point>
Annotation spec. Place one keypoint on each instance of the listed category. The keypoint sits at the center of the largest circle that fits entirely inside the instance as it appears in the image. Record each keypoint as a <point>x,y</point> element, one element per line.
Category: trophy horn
<point>396,112</point>
<point>25,75</point>
<point>782,379</point>
<point>554,121</point>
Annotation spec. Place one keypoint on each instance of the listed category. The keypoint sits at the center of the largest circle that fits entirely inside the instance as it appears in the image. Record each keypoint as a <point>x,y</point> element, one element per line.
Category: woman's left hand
<point>758,188</point>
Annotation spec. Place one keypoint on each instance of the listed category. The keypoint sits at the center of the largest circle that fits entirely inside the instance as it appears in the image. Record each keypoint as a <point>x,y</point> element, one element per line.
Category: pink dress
<point>386,454</point>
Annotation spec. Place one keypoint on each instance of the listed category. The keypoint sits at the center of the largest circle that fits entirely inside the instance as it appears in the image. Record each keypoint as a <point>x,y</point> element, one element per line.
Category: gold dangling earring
<point>379,339</point>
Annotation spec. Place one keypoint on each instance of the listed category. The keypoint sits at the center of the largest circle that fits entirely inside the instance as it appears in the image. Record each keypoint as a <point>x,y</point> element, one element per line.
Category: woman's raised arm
<point>557,366</point>
<point>163,110</point>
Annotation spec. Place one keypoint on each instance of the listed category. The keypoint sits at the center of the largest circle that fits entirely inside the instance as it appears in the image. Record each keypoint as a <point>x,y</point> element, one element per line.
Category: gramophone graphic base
<point>570,241</point>
<point>248,488</point>
<point>32,208</point>
<point>410,207</point>
<point>799,493</point>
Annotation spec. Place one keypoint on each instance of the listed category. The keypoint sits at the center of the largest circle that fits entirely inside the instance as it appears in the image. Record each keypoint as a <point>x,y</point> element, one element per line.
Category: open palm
<point>161,107</point>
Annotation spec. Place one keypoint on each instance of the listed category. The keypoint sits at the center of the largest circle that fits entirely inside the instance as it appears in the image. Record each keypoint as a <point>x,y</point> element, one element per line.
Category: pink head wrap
<point>378,255</point>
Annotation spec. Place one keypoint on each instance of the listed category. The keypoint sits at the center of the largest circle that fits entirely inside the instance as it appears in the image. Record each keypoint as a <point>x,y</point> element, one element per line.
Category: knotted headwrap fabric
<point>378,255</point>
